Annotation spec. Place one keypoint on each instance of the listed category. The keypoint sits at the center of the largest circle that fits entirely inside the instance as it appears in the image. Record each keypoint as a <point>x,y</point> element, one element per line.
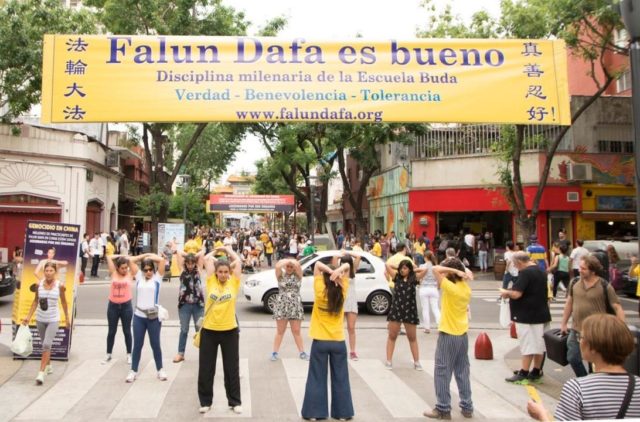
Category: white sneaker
<point>237,409</point>
<point>131,377</point>
<point>48,369</point>
<point>204,409</point>
<point>129,359</point>
<point>106,359</point>
<point>162,376</point>
<point>40,378</point>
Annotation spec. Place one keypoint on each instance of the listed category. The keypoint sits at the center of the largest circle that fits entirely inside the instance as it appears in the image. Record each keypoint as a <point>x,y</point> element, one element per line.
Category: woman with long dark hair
<point>328,349</point>
<point>49,291</point>
<point>404,309</point>
<point>190,297</point>
<point>351,301</point>
<point>119,307</point>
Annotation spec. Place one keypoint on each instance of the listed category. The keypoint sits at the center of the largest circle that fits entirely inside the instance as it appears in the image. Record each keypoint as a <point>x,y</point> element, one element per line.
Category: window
<point>623,83</point>
<point>615,147</point>
<point>621,38</point>
<point>365,267</point>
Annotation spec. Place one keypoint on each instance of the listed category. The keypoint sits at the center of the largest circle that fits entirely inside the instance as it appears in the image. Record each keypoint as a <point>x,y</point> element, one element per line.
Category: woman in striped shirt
<point>49,292</point>
<point>606,342</point>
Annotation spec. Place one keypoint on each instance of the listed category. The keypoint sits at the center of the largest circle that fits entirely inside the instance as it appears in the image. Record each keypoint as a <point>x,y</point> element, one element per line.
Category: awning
<point>31,209</point>
<point>609,215</point>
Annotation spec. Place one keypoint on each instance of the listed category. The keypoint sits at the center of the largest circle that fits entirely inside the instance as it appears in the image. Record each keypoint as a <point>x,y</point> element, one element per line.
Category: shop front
<point>478,210</point>
<point>608,213</point>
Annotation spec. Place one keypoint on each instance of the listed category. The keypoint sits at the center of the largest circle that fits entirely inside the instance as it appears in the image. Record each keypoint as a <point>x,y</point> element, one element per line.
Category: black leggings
<point>559,276</point>
<point>124,313</point>
<point>229,344</point>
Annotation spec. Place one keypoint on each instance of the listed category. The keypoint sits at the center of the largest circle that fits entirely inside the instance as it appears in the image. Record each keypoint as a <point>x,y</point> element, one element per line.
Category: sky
<point>341,20</point>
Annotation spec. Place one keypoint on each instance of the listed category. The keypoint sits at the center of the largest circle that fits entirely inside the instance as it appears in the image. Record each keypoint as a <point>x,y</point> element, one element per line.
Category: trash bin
<point>498,268</point>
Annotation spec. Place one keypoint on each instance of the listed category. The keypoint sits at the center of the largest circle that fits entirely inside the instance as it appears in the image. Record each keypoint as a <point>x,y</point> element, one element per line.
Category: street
<point>83,388</point>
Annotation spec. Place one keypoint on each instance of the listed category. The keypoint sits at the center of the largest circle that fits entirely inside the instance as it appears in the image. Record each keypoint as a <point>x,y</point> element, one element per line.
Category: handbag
<point>505,313</point>
<point>200,323</point>
<point>22,345</point>
<point>556,345</point>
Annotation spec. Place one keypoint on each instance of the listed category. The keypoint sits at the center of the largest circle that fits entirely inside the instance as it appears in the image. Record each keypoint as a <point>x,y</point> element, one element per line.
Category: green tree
<point>23,24</point>
<point>363,141</point>
<point>588,28</point>
<point>299,150</point>
<point>269,181</point>
<point>168,146</point>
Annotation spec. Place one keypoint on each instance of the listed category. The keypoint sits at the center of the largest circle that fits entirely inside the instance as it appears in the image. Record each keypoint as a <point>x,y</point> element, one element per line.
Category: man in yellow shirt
<point>453,344</point>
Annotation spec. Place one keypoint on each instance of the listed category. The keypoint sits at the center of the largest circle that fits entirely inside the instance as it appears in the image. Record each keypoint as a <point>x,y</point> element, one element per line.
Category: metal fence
<point>461,140</point>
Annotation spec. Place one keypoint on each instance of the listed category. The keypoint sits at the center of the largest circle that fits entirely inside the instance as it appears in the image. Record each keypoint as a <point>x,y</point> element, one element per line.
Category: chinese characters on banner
<point>121,78</point>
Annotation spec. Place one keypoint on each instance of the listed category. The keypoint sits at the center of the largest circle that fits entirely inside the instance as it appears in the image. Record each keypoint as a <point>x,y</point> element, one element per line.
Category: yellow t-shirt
<point>221,316</point>
<point>268,247</point>
<point>454,319</point>
<point>376,250</point>
<point>198,240</point>
<point>110,249</point>
<point>219,244</point>
<point>191,247</point>
<point>395,259</point>
<point>419,248</point>
<point>326,326</point>
<point>635,273</point>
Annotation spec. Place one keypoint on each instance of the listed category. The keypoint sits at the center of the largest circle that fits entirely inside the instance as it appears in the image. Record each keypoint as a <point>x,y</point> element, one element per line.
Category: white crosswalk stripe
<point>146,395</point>
<point>398,393</point>
<point>67,392</point>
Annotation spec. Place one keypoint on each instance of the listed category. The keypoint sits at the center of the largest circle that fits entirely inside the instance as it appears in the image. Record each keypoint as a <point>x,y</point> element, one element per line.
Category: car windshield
<point>308,258</point>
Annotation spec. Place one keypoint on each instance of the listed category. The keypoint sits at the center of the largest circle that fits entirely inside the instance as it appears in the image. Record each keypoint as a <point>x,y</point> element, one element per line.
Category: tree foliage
<point>23,24</point>
<point>588,28</point>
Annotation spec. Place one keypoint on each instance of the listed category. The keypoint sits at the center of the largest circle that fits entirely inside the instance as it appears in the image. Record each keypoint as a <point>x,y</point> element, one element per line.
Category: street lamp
<point>630,10</point>
<point>312,201</point>
<point>183,182</point>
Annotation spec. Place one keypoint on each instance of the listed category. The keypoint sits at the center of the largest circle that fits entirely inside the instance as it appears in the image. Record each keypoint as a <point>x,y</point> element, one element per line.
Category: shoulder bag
<point>200,323</point>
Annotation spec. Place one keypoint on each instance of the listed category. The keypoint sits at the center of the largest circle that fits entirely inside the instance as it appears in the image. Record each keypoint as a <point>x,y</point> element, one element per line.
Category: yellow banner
<point>102,78</point>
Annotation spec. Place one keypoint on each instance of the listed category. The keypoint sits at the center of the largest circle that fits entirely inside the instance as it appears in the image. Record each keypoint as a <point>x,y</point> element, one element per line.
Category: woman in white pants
<point>429,294</point>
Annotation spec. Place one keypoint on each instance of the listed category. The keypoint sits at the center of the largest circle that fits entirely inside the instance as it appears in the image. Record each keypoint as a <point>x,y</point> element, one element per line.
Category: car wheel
<point>269,301</point>
<point>378,303</point>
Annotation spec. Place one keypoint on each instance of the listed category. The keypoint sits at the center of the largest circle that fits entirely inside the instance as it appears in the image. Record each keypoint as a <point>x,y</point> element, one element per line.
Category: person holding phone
<point>49,292</point>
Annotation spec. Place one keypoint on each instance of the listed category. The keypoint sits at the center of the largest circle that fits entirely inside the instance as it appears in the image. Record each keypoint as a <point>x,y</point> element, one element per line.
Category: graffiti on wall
<point>389,201</point>
<point>605,168</point>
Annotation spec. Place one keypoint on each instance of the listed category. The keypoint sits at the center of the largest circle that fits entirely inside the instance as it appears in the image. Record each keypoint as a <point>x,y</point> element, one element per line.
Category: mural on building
<point>388,195</point>
<point>606,168</point>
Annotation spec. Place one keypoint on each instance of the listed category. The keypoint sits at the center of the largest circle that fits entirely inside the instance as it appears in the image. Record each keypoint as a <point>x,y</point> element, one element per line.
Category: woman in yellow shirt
<point>328,347</point>
<point>220,328</point>
<point>634,272</point>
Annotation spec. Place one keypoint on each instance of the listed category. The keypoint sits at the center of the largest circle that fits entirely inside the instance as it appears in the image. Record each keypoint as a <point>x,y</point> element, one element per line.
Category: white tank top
<point>52,314</point>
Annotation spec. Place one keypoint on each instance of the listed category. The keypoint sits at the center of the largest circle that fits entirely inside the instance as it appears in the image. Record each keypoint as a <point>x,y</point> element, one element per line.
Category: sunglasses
<point>147,270</point>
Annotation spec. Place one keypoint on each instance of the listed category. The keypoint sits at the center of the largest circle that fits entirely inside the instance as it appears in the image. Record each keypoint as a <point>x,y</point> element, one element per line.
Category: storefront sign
<point>251,203</point>
<point>615,203</point>
<point>100,78</point>
<point>44,241</point>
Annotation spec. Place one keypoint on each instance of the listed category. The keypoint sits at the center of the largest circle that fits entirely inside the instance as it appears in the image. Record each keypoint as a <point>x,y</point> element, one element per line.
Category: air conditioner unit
<point>580,172</point>
<point>113,159</point>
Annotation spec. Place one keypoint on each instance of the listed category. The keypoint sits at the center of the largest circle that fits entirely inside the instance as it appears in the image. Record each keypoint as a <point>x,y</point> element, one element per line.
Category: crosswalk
<point>270,391</point>
<point>556,308</point>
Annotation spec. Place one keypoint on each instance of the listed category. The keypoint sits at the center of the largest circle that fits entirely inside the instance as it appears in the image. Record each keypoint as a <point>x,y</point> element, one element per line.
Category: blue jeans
<point>124,313</point>
<point>574,356</point>
<point>187,312</point>
<point>324,355</point>
<point>140,327</point>
<point>508,278</point>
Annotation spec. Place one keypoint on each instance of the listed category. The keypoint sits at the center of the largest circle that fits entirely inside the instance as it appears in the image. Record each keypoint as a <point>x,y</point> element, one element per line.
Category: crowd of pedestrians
<point>436,274</point>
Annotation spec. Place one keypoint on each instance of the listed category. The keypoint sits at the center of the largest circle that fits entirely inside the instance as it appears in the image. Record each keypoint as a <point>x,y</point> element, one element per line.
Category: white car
<point>372,289</point>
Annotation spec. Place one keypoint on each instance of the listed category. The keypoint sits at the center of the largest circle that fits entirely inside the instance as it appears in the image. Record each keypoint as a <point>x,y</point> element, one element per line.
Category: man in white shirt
<point>95,250</point>
<point>293,247</point>
<point>123,243</point>
<point>576,256</point>
<point>230,240</point>
<point>84,253</point>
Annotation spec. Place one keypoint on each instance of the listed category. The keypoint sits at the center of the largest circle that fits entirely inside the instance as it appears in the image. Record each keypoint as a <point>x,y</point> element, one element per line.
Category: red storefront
<point>431,208</point>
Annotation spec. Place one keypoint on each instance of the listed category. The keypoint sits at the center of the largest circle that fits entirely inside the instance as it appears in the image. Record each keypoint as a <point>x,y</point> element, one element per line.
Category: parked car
<point>7,280</point>
<point>372,289</point>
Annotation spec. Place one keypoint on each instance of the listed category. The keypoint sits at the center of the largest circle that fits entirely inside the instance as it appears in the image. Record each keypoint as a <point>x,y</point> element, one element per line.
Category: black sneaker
<point>535,376</point>
<point>519,378</point>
